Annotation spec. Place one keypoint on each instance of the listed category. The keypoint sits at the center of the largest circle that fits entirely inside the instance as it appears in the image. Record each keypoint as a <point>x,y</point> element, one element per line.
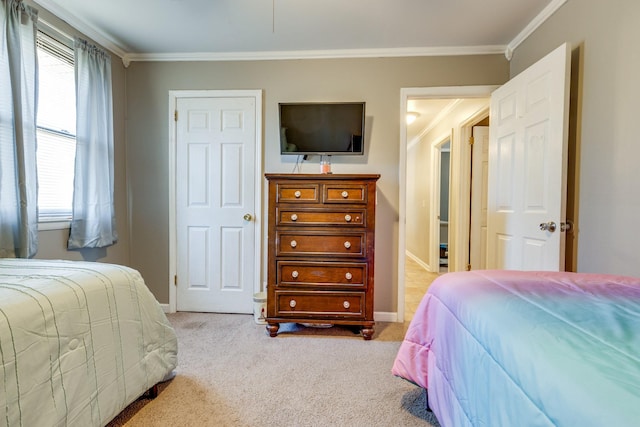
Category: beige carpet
<point>230,373</point>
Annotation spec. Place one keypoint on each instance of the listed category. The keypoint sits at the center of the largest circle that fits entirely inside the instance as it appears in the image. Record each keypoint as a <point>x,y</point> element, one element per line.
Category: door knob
<point>247,217</point>
<point>548,226</point>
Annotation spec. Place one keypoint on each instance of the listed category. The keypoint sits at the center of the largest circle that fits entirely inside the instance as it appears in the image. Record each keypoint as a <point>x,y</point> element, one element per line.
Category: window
<point>56,127</point>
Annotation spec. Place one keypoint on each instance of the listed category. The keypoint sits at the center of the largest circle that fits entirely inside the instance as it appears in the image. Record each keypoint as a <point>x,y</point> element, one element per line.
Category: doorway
<point>442,187</point>
<point>457,106</point>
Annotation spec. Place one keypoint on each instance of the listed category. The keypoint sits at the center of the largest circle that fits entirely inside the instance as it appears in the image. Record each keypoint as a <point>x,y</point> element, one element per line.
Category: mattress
<point>504,348</point>
<point>79,341</point>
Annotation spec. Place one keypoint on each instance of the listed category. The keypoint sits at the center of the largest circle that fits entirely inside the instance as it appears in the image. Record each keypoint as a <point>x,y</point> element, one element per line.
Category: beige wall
<point>603,194</point>
<point>418,204</point>
<point>377,81</point>
<point>604,198</point>
<point>53,244</point>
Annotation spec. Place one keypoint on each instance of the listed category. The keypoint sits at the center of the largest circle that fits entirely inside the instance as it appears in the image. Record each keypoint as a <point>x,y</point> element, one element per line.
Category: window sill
<point>54,225</point>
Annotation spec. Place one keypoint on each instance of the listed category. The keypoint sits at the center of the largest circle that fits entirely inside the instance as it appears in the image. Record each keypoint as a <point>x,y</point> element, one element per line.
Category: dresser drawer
<point>298,193</point>
<point>312,216</point>
<point>321,243</point>
<point>300,273</point>
<point>319,303</point>
<point>345,193</point>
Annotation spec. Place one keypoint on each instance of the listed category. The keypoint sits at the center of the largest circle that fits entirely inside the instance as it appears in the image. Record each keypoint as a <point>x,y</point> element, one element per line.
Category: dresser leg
<point>367,333</point>
<point>272,329</point>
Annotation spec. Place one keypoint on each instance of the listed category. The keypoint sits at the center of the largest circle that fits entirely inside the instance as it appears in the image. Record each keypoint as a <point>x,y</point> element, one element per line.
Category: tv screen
<point>332,128</point>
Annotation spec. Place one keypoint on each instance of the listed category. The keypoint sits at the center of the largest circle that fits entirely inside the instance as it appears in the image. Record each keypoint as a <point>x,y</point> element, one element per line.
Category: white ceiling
<point>175,29</point>
<point>429,112</point>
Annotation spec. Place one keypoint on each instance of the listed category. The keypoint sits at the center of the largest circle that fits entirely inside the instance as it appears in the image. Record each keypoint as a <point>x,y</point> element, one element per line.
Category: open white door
<point>216,203</point>
<point>479,187</point>
<point>527,167</point>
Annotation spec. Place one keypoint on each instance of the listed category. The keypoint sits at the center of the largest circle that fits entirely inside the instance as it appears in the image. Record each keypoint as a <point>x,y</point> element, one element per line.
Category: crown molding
<point>317,54</point>
<point>436,120</point>
<point>532,26</point>
<point>96,35</point>
<point>114,46</point>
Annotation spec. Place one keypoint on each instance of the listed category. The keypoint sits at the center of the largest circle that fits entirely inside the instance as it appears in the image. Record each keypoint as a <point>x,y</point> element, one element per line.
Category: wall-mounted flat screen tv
<point>331,128</point>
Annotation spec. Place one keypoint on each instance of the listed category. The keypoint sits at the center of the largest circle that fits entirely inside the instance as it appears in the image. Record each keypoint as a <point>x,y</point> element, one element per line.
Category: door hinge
<point>471,140</point>
<point>175,115</point>
<point>175,280</point>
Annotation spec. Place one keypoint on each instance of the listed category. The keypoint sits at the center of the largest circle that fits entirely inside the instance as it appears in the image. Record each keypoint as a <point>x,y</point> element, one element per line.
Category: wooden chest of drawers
<point>321,250</point>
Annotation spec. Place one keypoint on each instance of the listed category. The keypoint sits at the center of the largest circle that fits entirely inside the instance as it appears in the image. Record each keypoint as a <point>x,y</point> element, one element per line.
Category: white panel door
<point>527,167</point>
<point>215,198</point>
<point>479,188</point>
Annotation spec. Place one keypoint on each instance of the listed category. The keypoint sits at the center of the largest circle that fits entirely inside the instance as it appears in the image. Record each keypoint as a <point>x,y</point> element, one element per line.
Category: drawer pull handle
<point>345,194</point>
<point>294,274</point>
<point>292,303</point>
<point>294,217</point>
<point>348,276</point>
<point>297,194</point>
<point>347,244</point>
<point>346,304</point>
<point>347,218</point>
<point>293,243</point>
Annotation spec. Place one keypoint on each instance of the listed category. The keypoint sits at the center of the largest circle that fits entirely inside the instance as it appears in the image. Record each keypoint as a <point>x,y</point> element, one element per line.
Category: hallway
<point>417,281</point>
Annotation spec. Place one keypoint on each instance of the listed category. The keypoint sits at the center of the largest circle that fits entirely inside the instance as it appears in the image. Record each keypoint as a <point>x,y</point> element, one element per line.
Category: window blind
<point>56,128</point>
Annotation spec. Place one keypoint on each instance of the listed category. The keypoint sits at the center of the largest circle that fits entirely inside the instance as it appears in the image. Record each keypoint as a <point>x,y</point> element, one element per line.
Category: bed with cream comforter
<point>79,341</point>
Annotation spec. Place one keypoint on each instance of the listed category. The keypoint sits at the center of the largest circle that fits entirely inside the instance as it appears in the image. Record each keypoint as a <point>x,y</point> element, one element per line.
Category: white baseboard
<point>382,316</point>
<point>378,316</point>
<point>418,260</point>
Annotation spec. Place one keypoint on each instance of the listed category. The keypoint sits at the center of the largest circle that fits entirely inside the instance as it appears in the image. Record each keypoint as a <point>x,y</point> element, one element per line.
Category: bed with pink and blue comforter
<point>513,348</point>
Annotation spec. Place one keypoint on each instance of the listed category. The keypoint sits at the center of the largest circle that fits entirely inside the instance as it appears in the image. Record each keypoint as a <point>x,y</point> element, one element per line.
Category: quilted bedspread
<point>79,341</point>
<point>512,348</point>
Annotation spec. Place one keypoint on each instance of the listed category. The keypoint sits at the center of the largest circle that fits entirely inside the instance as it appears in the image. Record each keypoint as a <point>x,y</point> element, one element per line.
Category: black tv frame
<point>321,128</point>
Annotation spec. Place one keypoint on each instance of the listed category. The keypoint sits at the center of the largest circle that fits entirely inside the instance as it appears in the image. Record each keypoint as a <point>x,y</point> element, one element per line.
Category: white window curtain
<point>18,95</point>
<point>93,224</point>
